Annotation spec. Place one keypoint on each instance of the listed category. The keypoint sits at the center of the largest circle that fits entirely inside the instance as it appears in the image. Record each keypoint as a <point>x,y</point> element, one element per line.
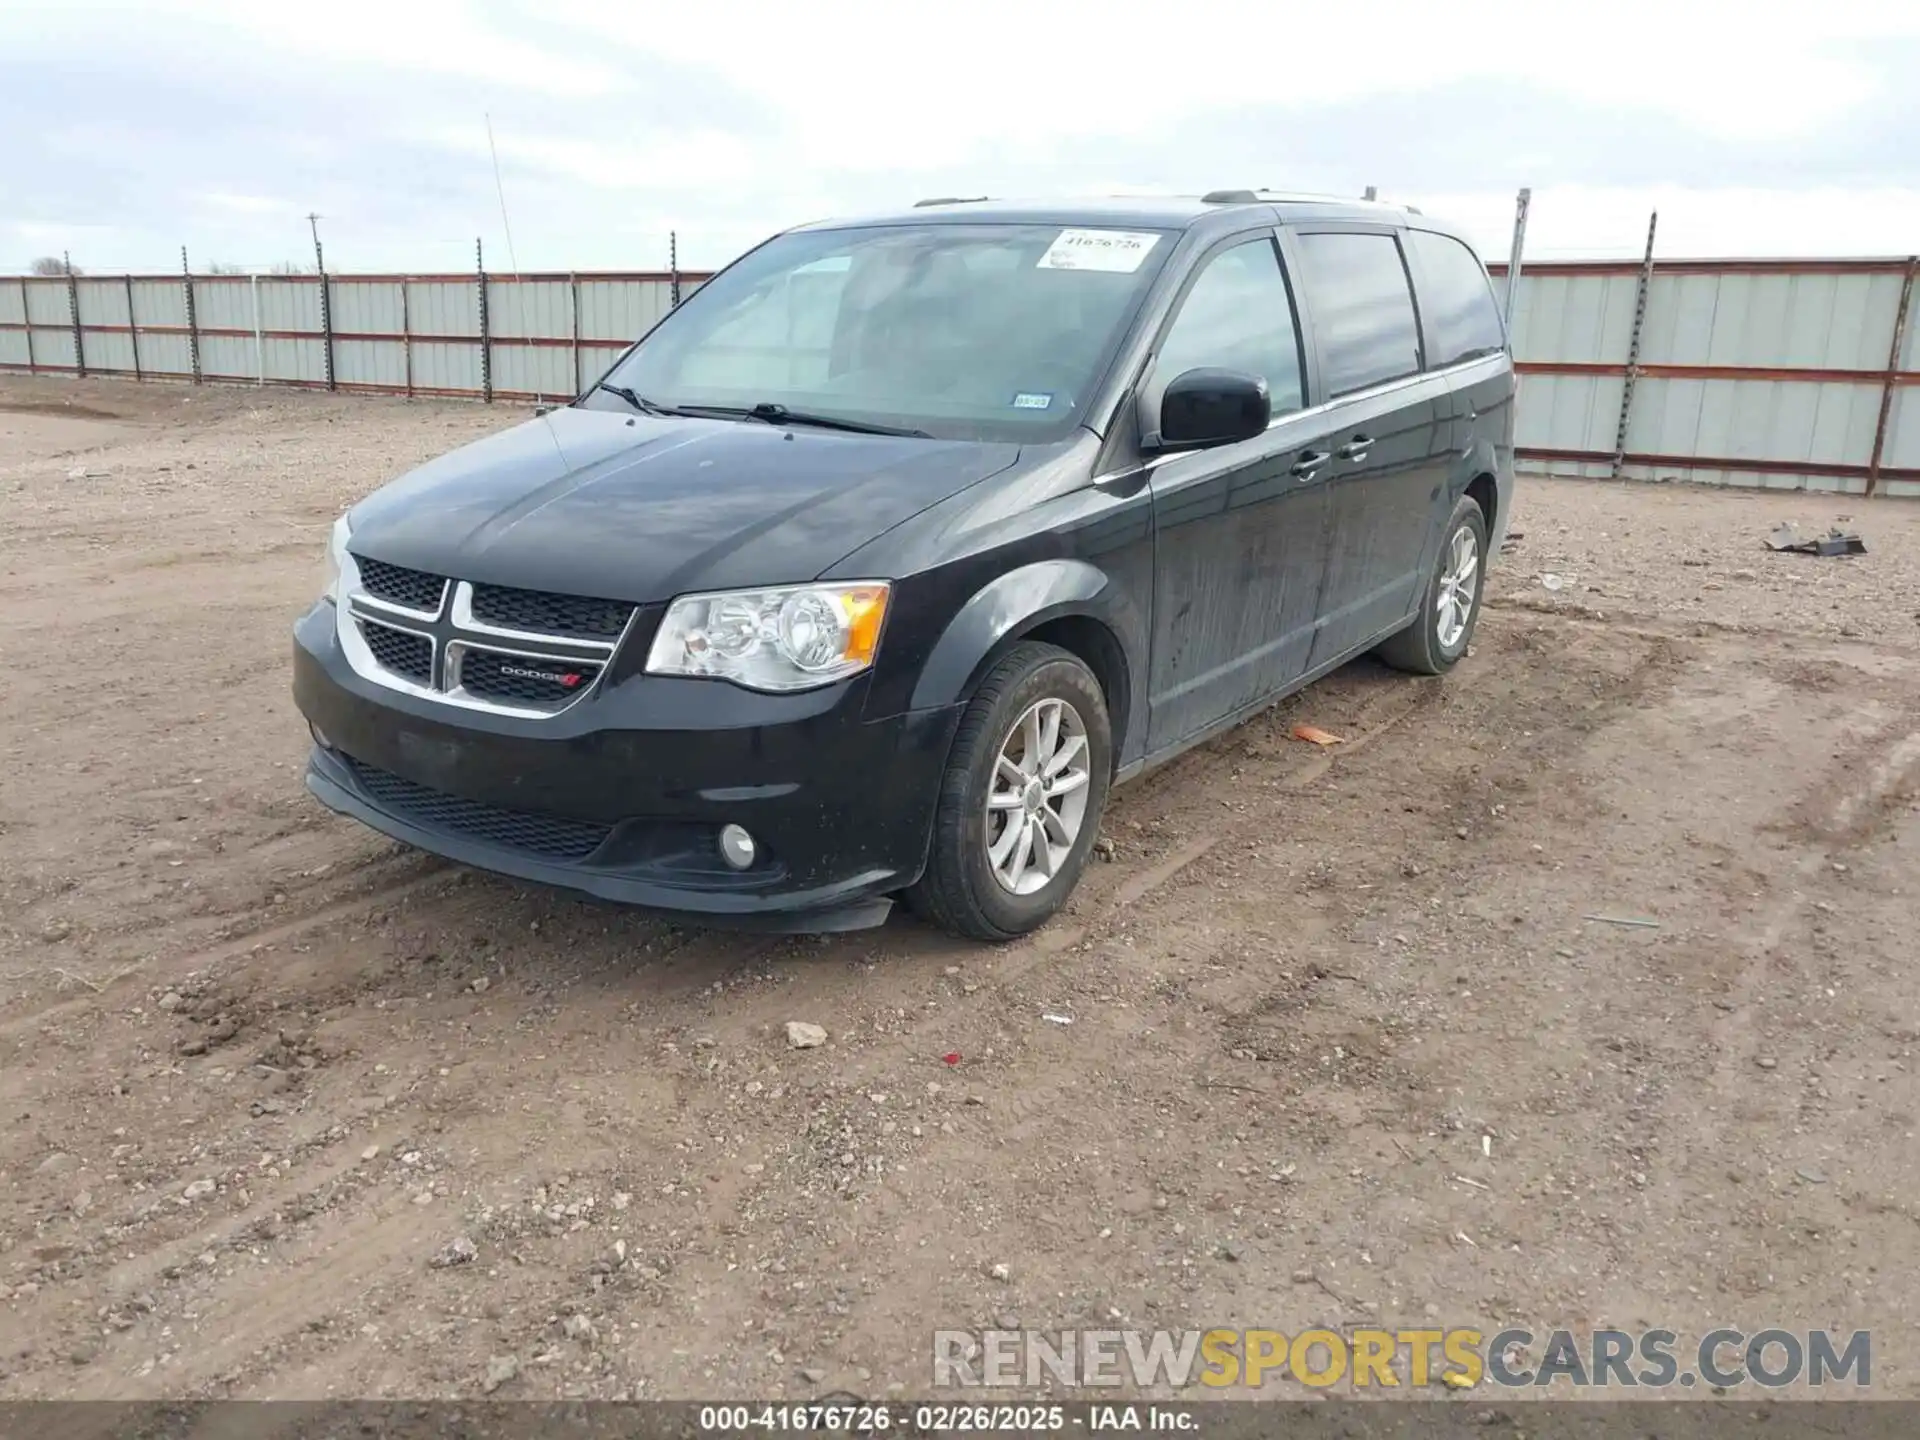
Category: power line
<point>501,189</point>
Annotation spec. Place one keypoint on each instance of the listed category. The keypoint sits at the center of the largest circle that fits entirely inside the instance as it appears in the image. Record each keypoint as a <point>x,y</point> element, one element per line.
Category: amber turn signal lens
<point>866,607</point>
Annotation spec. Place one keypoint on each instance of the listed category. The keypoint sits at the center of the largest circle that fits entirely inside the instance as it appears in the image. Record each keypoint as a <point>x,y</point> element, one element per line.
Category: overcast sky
<point>128,130</point>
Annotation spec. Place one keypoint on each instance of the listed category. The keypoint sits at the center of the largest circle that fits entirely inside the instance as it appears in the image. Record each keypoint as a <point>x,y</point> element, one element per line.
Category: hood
<point>642,508</point>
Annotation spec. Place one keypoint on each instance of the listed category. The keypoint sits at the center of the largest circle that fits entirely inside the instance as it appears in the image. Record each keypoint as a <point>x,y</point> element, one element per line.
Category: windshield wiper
<point>638,402</point>
<point>776,414</point>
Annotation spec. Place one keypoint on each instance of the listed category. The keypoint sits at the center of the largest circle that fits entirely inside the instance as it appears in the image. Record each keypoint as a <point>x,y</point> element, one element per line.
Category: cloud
<point>221,124</point>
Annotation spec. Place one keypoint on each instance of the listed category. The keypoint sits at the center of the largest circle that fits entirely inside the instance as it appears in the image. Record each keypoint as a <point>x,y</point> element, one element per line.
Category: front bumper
<point>623,794</point>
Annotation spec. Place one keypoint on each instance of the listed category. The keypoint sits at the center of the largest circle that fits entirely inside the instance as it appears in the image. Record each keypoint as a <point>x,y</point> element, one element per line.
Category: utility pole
<point>319,259</point>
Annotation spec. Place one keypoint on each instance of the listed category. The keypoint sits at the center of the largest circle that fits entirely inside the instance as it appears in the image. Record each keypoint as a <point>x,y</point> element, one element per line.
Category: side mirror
<point>1213,407</point>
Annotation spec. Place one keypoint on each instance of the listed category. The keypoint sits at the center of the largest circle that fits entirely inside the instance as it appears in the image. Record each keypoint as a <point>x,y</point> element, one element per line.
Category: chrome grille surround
<point>452,633</point>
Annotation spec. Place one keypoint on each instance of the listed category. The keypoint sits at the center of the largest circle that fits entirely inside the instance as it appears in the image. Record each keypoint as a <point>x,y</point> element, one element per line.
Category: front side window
<point>1456,300</point>
<point>964,331</point>
<point>1239,316</point>
<point>1362,309</point>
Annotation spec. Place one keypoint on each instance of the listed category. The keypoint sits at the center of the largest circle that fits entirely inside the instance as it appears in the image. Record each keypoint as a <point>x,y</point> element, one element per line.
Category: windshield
<point>990,332</point>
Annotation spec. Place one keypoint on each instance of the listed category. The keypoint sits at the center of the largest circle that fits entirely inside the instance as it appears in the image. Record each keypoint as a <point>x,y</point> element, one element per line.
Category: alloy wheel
<point>1037,802</point>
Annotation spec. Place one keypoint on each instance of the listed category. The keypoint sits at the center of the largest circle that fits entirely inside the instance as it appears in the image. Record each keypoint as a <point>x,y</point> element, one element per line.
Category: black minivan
<point>871,568</point>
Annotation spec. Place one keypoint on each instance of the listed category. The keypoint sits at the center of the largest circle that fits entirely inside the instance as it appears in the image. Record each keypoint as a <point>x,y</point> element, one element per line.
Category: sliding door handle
<point>1309,462</point>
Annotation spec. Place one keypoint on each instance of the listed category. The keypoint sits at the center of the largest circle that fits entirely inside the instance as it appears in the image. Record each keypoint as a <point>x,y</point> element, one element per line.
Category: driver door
<point>1239,547</point>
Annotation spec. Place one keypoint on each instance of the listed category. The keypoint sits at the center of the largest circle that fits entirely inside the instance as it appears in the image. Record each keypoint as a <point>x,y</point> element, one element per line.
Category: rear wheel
<point>1439,636</point>
<point>1021,799</point>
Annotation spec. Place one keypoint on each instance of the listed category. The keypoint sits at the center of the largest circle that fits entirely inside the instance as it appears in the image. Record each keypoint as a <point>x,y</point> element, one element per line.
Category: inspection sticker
<point>1032,400</point>
<point>1120,252</point>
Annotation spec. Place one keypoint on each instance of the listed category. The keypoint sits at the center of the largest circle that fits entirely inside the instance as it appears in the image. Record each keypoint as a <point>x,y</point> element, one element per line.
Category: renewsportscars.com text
<point>1379,1359</point>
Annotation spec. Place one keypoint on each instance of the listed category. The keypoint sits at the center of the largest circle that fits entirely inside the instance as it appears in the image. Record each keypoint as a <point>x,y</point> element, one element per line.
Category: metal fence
<point>1793,374</point>
<point>1773,373</point>
<point>493,337</point>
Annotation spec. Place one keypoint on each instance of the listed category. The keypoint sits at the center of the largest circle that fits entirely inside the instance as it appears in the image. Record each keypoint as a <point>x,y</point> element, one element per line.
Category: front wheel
<point>1021,800</point>
<point>1439,635</point>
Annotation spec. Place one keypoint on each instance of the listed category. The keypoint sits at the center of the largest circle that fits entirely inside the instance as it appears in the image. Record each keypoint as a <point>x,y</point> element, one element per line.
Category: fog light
<point>737,847</point>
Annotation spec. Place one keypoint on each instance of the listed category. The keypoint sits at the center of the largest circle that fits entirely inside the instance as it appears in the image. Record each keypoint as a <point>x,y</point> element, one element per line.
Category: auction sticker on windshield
<point>1117,251</point>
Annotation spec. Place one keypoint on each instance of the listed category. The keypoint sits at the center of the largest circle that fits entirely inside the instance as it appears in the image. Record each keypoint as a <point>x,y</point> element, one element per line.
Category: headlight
<point>336,557</point>
<point>794,637</point>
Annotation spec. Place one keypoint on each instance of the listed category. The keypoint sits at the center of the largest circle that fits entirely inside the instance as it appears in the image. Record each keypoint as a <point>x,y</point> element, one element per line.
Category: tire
<point>1423,648</point>
<point>962,889</point>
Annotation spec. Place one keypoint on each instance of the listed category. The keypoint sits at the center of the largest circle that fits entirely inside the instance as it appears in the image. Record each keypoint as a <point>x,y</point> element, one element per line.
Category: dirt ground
<point>1345,1046</point>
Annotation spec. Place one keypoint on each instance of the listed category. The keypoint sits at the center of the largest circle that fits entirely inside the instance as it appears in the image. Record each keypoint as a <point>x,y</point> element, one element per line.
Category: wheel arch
<point>1067,603</point>
<point>1484,491</point>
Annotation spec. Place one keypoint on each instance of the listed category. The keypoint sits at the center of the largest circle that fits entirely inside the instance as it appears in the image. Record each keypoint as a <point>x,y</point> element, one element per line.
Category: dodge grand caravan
<point>870,569</point>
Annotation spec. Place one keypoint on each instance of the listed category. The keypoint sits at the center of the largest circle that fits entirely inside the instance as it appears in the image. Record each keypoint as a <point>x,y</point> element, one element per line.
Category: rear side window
<point>1456,300</point>
<point>1362,309</point>
<point>1239,316</point>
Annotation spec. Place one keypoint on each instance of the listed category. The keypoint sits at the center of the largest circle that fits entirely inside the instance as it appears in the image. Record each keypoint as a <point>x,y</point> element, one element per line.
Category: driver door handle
<point>1356,448</point>
<point>1309,462</point>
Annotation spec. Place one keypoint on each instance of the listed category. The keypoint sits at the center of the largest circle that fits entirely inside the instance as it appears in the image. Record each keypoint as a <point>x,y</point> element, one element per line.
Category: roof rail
<point>951,200</point>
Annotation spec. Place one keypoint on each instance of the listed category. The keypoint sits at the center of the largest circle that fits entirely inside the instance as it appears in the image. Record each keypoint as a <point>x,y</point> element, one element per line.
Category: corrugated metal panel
<point>288,304</point>
<point>595,362</point>
<point>159,302</point>
<point>529,307</point>
<point>439,366</point>
<point>53,348</point>
<point>13,348</point>
<point>622,309</point>
<point>295,359</point>
<point>439,307</point>
<point>13,303</point>
<point>163,354</point>
<point>1746,479</point>
<point>365,307</point>
<point>228,356</point>
<point>1568,412</point>
<point>224,304</point>
<point>371,362</point>
<point>102,302</point>
<point>1822,321</point>
<point>1578,318</point>
<point>1754,420</point>
<point>1910,343</point>
<point>532,370</point>
<point>1903,430</point>
<point>108,351</point>
<point>47,303</point>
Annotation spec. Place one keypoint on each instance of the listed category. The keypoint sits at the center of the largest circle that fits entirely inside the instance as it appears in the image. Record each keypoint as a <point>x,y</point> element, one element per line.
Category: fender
<point>1479,458</point>
<point>1012,603</point>
<point>1483,458</point>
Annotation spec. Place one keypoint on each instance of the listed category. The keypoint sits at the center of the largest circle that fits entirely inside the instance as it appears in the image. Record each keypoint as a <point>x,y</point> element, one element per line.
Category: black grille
<point>550,614</point>
<point>520,677</point>
<point>397,585</point>
<point>399,650</point>
<point>553,837</point>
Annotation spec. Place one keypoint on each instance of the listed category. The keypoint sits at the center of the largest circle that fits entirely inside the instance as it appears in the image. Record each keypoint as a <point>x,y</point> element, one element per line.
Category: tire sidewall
<point>1465,516</point>
<point>1056,678</point>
